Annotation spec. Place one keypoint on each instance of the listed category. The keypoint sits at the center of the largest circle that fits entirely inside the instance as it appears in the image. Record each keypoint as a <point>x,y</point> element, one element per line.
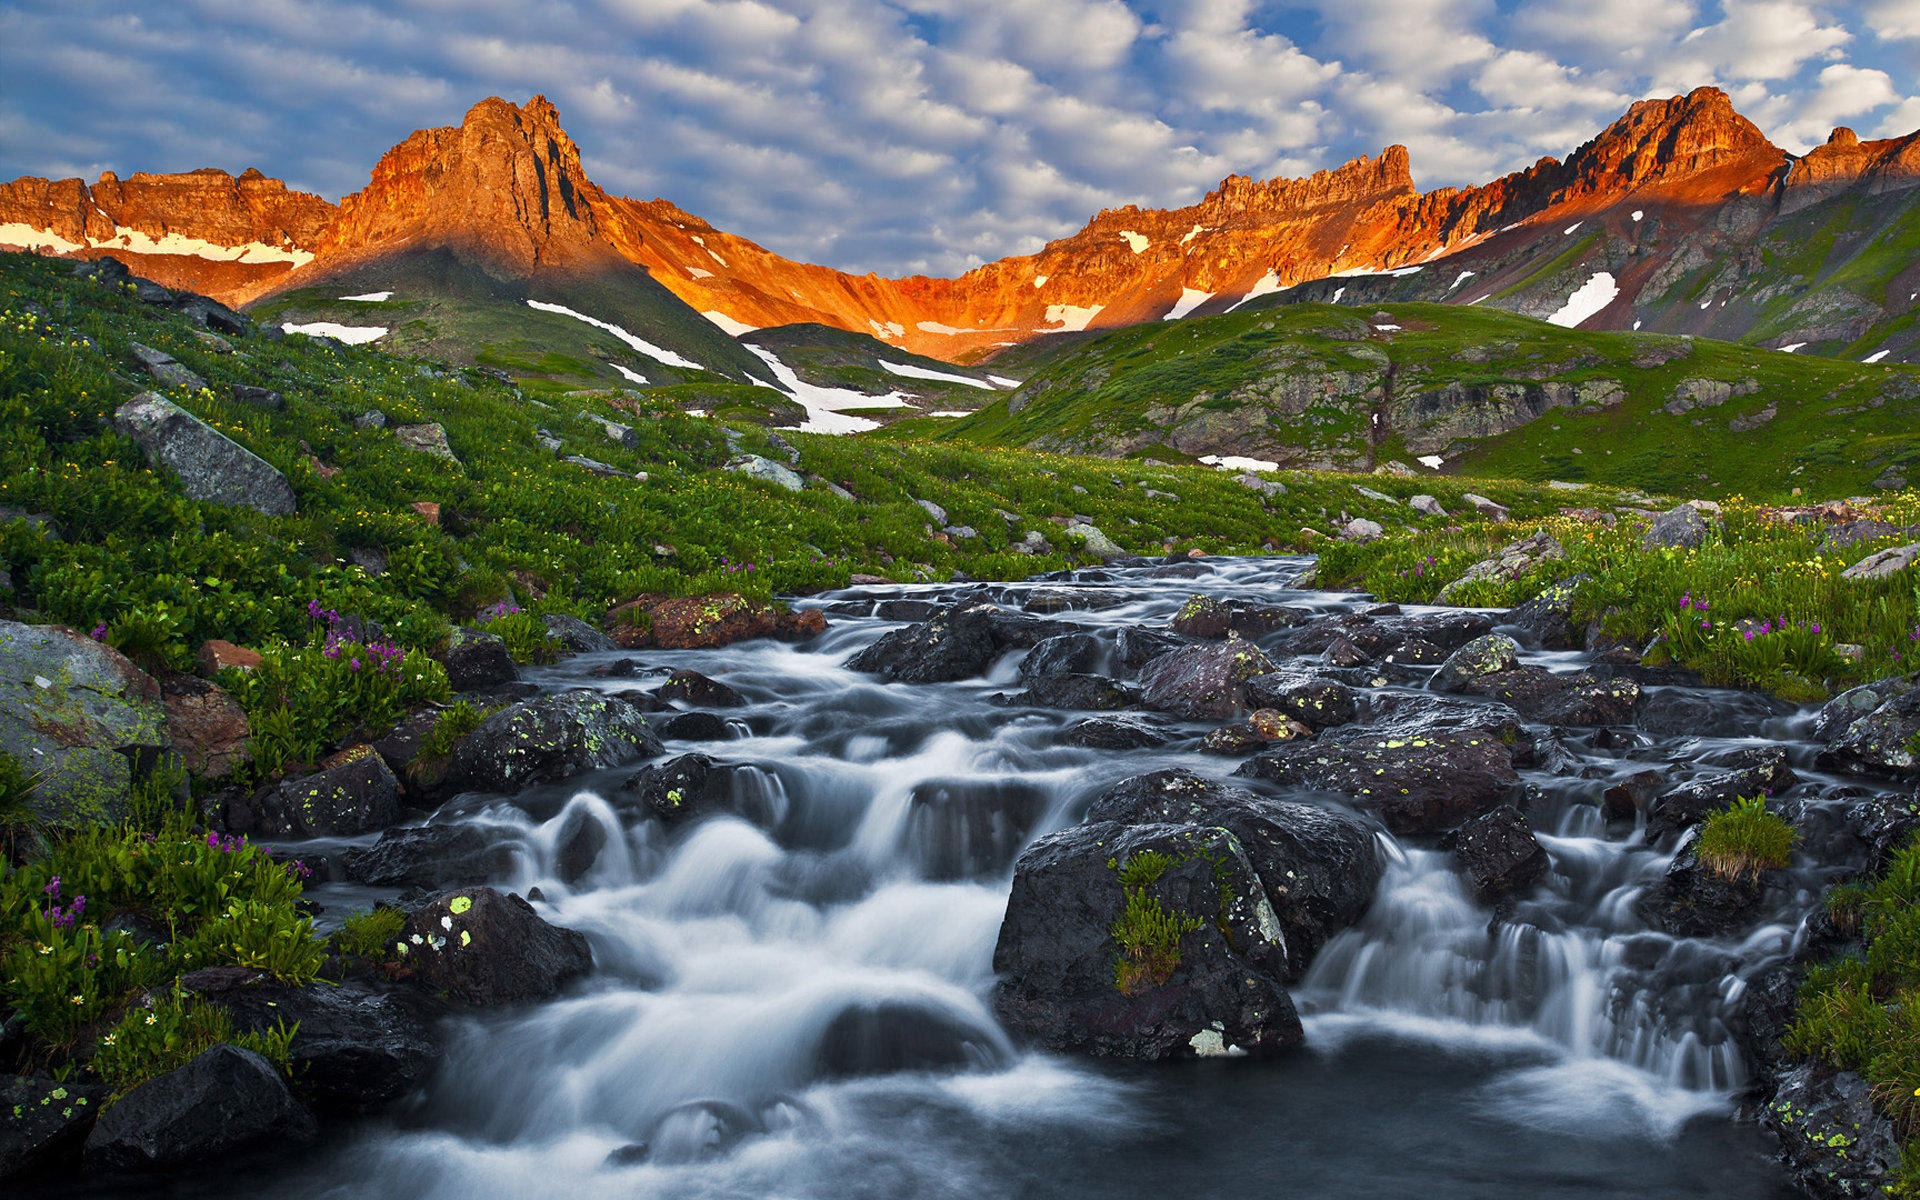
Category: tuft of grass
<point>1147,932</point>
<point>1744,839</point>
<point>171,1030</point>
<point>370,934</point>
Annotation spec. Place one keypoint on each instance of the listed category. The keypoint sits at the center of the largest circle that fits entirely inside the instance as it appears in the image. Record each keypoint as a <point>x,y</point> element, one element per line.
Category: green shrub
<point>170,1031</point>
<point>525,635</point>
<point>259,934</point>
<point>370,934</point>
<point>1744,839</point>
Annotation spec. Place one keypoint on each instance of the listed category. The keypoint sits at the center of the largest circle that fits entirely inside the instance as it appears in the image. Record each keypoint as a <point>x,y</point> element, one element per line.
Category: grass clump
<point>455,722</point>
<point>1744,839</point>
<point>370,934</point>
<point>1148,932</point>
<point>1862,1012</point>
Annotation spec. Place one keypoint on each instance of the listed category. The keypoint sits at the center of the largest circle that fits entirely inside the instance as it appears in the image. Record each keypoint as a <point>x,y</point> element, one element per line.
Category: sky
<point>909,136</point>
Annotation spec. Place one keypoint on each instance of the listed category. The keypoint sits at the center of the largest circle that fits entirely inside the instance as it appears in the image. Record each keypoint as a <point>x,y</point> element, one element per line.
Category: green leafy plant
<point>1147,932</point>
<point>1744,839</point>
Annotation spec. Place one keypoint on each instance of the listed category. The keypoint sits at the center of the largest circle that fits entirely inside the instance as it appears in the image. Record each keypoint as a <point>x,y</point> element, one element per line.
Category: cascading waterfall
<point>798,1004</point>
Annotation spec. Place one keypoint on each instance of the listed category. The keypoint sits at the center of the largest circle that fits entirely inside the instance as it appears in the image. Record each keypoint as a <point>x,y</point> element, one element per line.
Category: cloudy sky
<point>923,135</point>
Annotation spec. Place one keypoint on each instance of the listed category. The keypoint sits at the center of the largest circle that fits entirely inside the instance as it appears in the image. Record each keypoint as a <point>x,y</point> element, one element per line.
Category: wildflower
<point>53,886</point>
<point>100,632</point>
<point>150,1018</point>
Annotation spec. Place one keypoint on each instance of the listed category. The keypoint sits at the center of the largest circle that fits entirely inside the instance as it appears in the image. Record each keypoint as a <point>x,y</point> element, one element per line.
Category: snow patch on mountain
<point>1266,285</point>
<point>370,297</point>
<point>734,328</point>
<point>1139,241</point>
<point>909,371</point>
<point>1071,317</point>
<point>825,405</point>
<point>352,335</point>
<point>657,353</point>
<point>1190,299</point>
<point>1591,296</point>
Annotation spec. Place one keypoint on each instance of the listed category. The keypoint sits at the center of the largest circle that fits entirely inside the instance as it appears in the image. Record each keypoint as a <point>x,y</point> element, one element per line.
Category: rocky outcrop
<point>78,715</point>
<point>551,738</point>
<point>1422,781</point>
<point>209,465</point>
<point>43,1123</point>
<point>486,949</point>
<point>224,1101</point>
<point>1204,682</point>
<point>959,643</point>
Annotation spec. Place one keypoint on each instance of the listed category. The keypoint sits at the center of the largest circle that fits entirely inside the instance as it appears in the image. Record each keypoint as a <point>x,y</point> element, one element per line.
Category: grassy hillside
<point>112,542</point>
<point>1303,384</point>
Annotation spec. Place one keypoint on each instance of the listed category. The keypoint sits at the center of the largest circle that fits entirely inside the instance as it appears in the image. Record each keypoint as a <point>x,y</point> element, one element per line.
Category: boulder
<point>77,714</point>
<point>1096,542</point>
<point>1485,507</point>
<point>43,1123</point>
<point>1547,619</point>
<point>1186,961</point>
<point>1884,564</point>
<point>477,660</point>
<point>225,1100</point>
<point>425,439</point>
<point>1416,783</point>
<point>357,1050</point>
<point>1064,654</point>
<point>354,797</point>
<point>1836,1143</point>
<point>1213,617</point>
<point>487,948</point>
<point>693,688</point>
<point>165,370</point>
<point>1317,867</point>
<point>1493,654</point>
<point>1087,693</point>
<point>1510,563</point>
<point>1426,506</point>
<point>695,727</point>
<point>577,847</point>
<point>1233,741</point>
<point>1584,699</point>
<point>211,314</point>
<point>934,511</point>
<point>1136,646</point>
<point>767,471</point>
<point>208,727</point>
<point>549,738</point>
<point>1681,528</point>
<point>1886,741</point>
<point>883,1037</point>
<point>429,856</point>
<point>1496,852</point>
<point>1762,771</point>
<point>1315,702</point>
<point>707,622</point>
<point>259,397</point>
<point>576,635</point>
<point>1360,529</point>
<point>693,786</point>
<point>1839,713</point>
<point>959,643</point>
<point>1695,900</point>
<point>1203,682</point>
<point>209,465</point>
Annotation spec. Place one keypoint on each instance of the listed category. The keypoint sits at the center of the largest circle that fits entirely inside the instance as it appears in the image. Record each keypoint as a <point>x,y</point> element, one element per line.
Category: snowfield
<point>1591,296</point>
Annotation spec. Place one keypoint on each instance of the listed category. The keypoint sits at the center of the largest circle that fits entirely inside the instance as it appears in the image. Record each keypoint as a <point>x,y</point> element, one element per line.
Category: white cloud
<point>1841,94</point>
<point>1902,121</point>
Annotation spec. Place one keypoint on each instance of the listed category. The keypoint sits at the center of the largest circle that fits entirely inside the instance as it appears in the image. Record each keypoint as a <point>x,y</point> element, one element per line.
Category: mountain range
<point>1680,217</point>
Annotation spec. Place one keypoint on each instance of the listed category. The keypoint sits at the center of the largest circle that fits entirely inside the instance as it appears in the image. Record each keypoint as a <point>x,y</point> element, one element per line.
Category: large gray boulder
<point>1681,528</point>
<point>1510,563</point>
<point>1884,564</point>
<point>766,470</point>
<point>550,738</point>
<point>209,465</point>
<point>75,713</point>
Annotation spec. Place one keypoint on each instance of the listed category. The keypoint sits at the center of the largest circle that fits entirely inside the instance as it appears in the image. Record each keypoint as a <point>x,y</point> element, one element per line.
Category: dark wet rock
<point>1671,712</point>
<point>693,786</point>
<point>1762,771</point>
<point>1115,733</point>
<point>550,738</point>
<point>1416,783</point>
<point>695,727</point>
<point>1547,621</point>
<point>1886,741</point>
<point>905,610</point>
<point>1837,1146</point>
<point>428,856</point>
<point>357,1050</point>
<point>1839,713</point>
<point>1496,852</point>
<point>576,635</point>
<point>959,643</point>
<point>1086,693</point>
<point>693,688</point>
<point>1136,647</point>
<point>358,796</point>
<point>1317,867</point>
<point>1540,695</point>
<point>577,846</point>
<point>1067,984</point>
<point>1314,701</point>
<point>488,948</point>
<point>76,713</point>
<point>1204,681</point>
<point>225,1100</point>
<point>1233,741</point>
<point>209,465</point>
<point>966,828</point>
<point>477,660</point>
<point>1696,900</point>
<point>1065,654</point>
<point>881,1037</point>
<point>1447,630</point>
<point>1213,617</point>
<point>1415,651</point>
<point>1633,795</point>
<point>1682,528</point>
<point>1360,638</point>
<point>1767,1008</point>
<point>1493,654</point>
<point>43,1123</point>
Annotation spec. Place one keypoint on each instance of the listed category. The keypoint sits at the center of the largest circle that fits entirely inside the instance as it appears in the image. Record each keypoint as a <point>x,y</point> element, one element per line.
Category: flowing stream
<point>765,1004</point>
